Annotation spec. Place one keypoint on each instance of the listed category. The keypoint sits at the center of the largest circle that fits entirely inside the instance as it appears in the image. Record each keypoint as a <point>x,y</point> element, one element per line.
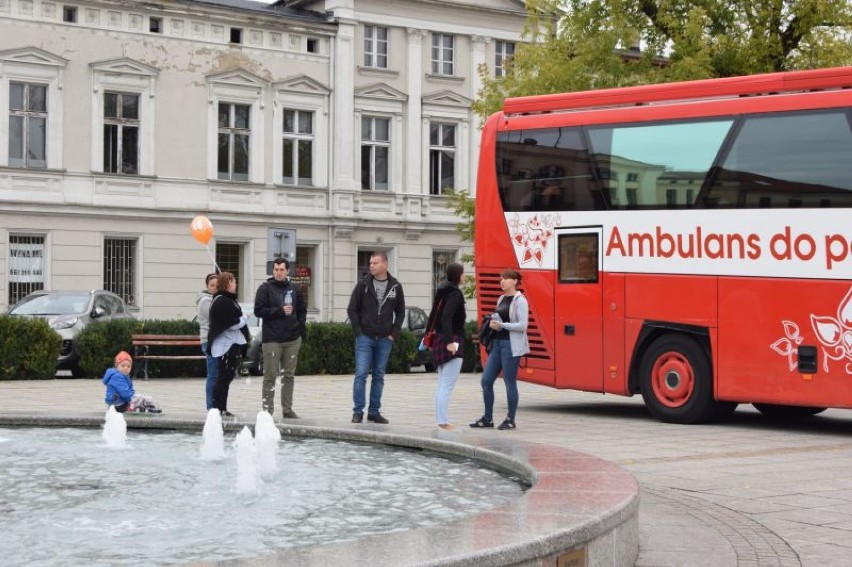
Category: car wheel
<point>77,372</point>
<point>430,367</point>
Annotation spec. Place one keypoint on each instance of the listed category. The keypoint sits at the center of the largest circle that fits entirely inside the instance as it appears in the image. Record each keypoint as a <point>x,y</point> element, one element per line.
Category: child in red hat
<point>119,385</point>
<point>119,388</point>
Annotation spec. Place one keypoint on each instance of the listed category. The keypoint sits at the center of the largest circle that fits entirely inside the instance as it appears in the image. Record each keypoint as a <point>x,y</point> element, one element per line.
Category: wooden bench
<point>143,343</point>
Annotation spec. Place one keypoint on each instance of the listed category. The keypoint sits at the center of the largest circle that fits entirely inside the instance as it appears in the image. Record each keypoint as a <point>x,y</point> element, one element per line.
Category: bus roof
<point>768,83</point>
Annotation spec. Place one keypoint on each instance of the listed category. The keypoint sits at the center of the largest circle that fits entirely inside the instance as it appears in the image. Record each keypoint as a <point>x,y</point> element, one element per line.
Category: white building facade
<point>341,120</point>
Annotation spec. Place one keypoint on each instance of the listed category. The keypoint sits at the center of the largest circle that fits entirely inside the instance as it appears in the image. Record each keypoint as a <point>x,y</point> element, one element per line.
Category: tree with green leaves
<point>577,45</point>
<point>462,204</point>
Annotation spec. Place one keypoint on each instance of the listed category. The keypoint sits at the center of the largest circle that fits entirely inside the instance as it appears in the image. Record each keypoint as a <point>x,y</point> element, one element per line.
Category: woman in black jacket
<point>447,319</point>
<point>227,338</point>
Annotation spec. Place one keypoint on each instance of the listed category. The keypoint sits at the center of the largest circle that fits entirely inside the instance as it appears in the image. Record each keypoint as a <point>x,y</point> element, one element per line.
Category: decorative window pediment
<point>381,91</point>
<point>32,56</point>
<point>237,77</point>
<point>302,84</point>
<point>125,66</point>
<point>447,98</point>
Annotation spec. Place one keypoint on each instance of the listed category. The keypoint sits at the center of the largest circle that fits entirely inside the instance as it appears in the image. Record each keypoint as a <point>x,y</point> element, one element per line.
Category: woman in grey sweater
<point>205,298</point>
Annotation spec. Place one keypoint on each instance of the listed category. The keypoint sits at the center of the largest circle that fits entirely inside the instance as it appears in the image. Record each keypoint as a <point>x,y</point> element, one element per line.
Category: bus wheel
<point>677,381</point>
<point>773,411</point>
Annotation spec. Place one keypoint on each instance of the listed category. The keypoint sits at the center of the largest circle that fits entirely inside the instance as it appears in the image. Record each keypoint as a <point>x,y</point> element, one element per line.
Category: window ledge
<point>237,183</point>
<point>377,71</point>
<point>448,78</point>
<point>19,169</point>
<point>123,175</point>
<point>300,187</point>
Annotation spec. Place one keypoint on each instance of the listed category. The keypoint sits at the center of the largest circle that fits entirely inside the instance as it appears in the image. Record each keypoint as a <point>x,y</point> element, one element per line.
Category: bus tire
<point>773,411</point>
<point>677,381</point>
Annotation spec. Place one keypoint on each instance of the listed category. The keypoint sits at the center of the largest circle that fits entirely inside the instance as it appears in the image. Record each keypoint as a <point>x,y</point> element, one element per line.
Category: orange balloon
<point>201,229</point>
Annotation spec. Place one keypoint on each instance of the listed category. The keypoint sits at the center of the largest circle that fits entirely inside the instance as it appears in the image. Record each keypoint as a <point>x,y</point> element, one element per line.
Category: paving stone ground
<point>746,492</point>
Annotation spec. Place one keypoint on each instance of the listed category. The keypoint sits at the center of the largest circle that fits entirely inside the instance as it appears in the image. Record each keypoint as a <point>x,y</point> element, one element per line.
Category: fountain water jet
<point>266,438</point>
<point>213,447</point>
<point>246,449</point>
<point>115,429</point>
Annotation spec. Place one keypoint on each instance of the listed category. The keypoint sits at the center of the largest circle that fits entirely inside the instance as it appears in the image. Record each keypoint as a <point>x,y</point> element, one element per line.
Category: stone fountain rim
<point>528,529</point>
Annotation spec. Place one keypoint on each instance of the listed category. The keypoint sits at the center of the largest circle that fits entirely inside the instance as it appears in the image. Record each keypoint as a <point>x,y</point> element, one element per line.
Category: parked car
<point>253,362</point>
<point>67,312</point>
<point>415,321</point>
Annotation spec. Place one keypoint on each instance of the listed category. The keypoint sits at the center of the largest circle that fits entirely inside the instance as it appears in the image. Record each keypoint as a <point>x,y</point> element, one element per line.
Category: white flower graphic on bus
<point>835,334</point>
<point>533,236</point>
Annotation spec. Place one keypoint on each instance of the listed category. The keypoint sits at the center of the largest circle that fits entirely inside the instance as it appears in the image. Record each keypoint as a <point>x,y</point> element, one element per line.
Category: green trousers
<point>279,358</point>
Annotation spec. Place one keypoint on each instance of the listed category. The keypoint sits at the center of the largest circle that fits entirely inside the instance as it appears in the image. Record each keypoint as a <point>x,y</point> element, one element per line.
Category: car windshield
<point>53,304</point>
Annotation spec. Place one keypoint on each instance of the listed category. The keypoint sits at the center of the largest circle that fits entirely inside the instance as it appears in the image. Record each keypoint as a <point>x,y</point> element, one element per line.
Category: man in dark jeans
<point>281,306</point>
<point>376,311</point>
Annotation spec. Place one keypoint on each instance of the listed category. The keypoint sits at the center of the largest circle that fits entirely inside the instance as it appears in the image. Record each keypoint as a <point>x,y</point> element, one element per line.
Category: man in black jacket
<point>376,311</point>
<point>281,306</point>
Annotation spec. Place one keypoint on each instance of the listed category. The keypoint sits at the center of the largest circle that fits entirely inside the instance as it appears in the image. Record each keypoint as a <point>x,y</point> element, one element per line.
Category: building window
<point>120,268</point>
<point>302,275</point>
<point>440,260</point>
<point>27,125</point>
<point>375,153</point>
<point>229,258</point>
<point>632,177</point>
<point>236,35</point>
<point>503,51</point>
<point>376,47</point>
<point>442,157</point>
<point>632,197</point>
<point>69,14</point>
<point>234,137</point>
<point>312,45</point>
<point>26,265</point>
<point>671,197</point>
<point>155,25</point>
<point>297,158</point>
<point>442,53</point>
<point>121,133</point>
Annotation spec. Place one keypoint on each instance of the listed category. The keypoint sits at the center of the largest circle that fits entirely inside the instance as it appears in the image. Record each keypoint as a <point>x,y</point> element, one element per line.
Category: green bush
<point>29,349</point>
<point>471,353</point>
<point>100,341</point>
<point>329,348</point>
<point>403,353</point>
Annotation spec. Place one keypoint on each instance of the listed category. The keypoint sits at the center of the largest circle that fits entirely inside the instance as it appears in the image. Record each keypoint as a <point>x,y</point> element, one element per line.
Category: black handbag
<point>486,333</point>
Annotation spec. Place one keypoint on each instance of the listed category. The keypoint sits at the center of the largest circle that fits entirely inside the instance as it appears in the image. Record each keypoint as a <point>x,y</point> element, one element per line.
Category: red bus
<point>690,242</point>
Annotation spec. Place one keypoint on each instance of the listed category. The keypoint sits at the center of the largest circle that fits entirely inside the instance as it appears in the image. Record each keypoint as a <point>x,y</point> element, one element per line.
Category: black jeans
<point>227,371</point>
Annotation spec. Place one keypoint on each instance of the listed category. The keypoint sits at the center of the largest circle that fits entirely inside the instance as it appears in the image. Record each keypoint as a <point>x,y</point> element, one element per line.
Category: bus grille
<point>488,291</point>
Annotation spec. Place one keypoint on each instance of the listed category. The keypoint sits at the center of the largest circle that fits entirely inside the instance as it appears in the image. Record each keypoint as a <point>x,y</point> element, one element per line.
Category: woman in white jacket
<point>509,344</point>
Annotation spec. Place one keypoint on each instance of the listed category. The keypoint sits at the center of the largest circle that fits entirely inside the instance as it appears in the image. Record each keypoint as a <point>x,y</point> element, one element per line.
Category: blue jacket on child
<point>119,387</point>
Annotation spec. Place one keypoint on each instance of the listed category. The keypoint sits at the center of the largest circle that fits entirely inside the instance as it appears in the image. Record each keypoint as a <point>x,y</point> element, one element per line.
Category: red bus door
<point>579,301</point>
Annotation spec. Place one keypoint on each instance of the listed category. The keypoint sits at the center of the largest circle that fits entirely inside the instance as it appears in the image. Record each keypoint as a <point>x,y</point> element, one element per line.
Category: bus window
<point>578,258</point>
<point>789,160</point>
<point>656,166</point>
<point>546,169</point>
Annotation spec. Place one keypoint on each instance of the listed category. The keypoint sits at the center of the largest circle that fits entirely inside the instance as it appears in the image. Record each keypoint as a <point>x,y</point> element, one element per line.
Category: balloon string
<point>213,257</point>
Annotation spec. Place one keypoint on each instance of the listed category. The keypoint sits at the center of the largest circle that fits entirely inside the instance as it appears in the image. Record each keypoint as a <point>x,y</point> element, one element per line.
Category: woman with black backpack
<point>447,319</point>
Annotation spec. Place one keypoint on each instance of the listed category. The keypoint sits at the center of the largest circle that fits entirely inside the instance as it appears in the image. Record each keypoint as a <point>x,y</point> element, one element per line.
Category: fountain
<point>213,448</point>
<point>267,437</point>
<point>347,492</point>
<point>115,429</point>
